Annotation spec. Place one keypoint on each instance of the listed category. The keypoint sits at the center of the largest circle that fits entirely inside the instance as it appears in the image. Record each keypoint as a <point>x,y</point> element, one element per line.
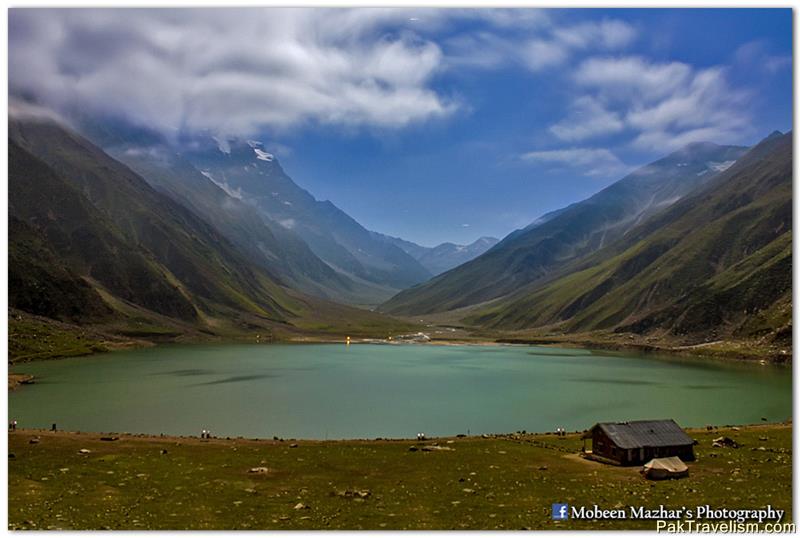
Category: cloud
<point>663,105</point>
<point>632,77</point>
<point>588,117</point>
<point>540,54</point>
<point>544,43</point>
<point>755,55</point>
<point>593,161</point>
<point>229,71</point>
<point>563,41</point>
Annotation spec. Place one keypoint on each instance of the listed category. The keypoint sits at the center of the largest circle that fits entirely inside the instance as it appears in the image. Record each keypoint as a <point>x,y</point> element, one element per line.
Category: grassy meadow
<point>80,481</point>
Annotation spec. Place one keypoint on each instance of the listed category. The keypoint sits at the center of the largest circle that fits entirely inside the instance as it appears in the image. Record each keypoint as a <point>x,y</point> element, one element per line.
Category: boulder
<point>724,442</point>
<point>258,470</point>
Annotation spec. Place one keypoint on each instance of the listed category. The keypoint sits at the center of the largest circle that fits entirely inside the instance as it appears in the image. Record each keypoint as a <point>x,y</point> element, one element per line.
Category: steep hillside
<point>265,242</point>
<point>445,256</point>
<point>193,259</point>
<point>716,263</point>
<point>95,250</point>
<point>56,237</point>
<point>533,253</point>
<point>249,172</point>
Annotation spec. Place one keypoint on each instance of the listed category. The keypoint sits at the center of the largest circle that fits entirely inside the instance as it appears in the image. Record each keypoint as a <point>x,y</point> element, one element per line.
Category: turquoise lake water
<point>333,391</point>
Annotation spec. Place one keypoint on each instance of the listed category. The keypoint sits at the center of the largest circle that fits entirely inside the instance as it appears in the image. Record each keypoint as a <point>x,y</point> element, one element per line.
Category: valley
<point>400,268</point>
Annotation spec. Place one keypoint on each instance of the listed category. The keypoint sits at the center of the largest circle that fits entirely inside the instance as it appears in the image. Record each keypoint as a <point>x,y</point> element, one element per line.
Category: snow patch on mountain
<point>223,145</point>
<point>263,155</point>
<point>230,191</point>
<point>720,167</point>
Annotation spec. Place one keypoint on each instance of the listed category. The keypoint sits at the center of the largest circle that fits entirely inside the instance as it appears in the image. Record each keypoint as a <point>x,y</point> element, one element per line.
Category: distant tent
<point>663,468</point>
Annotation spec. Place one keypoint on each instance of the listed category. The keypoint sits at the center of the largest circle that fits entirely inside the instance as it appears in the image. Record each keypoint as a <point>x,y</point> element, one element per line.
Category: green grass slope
<point>57,237</point>
<point>193,256</point>
<point>716,263</point>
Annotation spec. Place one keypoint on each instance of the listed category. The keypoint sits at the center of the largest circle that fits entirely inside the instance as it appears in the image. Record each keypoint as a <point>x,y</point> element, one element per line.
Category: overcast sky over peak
<point>430,124</point>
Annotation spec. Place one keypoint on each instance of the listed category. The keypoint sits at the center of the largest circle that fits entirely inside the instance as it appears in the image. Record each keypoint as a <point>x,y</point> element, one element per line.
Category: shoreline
<point>17,379</point>
<point>696,350</point>
<point>193,439</point>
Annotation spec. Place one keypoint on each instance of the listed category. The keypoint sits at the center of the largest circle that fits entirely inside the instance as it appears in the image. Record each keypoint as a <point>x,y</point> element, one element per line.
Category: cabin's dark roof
<point>642,433</point>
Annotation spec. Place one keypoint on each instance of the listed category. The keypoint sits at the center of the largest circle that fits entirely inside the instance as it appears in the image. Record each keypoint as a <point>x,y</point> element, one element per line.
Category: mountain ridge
<point>534,252</point>
<point>715,264</point>
<point>444,256</point>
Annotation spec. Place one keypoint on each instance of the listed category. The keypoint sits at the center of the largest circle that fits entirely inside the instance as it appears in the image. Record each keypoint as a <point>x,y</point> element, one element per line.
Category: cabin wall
<point>603,446</point>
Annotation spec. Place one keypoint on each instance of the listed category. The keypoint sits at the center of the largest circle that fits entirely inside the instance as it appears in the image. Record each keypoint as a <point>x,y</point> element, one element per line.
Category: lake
<point>333,391</point>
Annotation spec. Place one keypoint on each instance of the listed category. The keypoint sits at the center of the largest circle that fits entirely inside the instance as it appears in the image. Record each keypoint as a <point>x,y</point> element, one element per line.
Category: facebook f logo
<point>560,511</point>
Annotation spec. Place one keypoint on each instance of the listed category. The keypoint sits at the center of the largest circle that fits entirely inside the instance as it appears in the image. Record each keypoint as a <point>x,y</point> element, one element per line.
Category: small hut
<point>638,441</point>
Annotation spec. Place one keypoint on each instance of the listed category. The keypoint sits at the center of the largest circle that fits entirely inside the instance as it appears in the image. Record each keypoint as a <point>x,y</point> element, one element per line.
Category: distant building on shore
<point>638,441</point>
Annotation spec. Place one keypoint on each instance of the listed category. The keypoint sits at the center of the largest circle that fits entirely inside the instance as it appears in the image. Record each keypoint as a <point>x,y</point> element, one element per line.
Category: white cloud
<point>664,105</point>
<point>563,41</point>
<point>540,54</point>
<point>632,77</point>
<point>587,118</point>
<point>231,71</point>
<point>544,44</point>
<point>755,55</point>
<point>592,161</point>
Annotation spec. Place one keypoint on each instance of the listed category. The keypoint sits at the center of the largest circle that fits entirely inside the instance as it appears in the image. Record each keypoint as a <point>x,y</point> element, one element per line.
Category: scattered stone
<point>301,506</point>
<point>468,490</point>
<point>724,442</point>
<point>543,467</point>
<point>163,451</point>
<point>249,490</point>
<point>34,440</point>
<point>431,448</point>
<point>293,445</point>
<point>412,449</point>
<point>84,451</point>
<point>109,438</point>
<point>258,470</point>
<point>356,494</point>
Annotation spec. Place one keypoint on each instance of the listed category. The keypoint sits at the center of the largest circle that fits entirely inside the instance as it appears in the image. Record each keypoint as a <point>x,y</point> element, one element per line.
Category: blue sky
<point>432,125</point>
<point>427,182</point>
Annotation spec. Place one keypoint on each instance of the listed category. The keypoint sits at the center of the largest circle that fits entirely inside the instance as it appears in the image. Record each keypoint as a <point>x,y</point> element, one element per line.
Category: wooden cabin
<point>638,441</point>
